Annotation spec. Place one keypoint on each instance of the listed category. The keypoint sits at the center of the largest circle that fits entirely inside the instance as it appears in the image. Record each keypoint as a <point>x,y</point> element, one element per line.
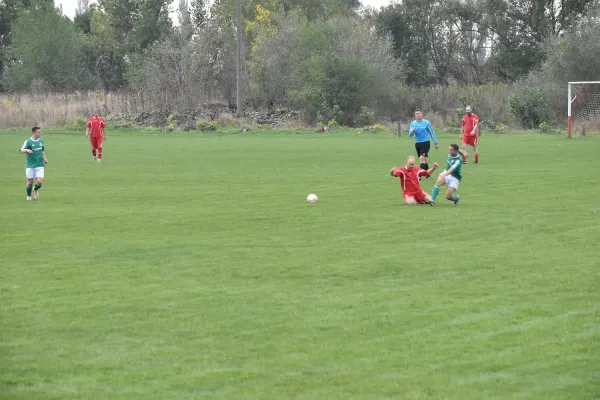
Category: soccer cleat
<point>36,194</point>
<point>476,162</point>
<point>99,160</point>
<point>432,203</point>
<point>455,202</point>
<point>28,197</point>
<point>94,159</point>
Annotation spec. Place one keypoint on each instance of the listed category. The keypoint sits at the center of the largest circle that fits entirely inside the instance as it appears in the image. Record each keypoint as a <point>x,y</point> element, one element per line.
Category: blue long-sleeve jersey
<point>423,130</point>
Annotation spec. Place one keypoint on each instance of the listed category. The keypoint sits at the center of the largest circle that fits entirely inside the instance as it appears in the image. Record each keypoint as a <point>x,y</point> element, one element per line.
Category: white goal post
<point>583,106</point>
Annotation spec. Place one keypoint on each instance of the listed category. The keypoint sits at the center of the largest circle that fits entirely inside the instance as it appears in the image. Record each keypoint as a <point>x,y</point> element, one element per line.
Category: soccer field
<point>190,266</point>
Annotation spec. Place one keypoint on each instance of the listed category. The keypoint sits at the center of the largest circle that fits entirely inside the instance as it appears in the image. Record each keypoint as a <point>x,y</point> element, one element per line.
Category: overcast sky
<point>69,6</point>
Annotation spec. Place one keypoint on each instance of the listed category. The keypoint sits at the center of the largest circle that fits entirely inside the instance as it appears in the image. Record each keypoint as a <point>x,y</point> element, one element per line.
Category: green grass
<point>189,266</point>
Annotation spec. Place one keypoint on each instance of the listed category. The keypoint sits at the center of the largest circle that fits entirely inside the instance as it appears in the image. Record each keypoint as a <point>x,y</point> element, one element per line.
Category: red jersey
<point>468,122</point>
<point>409,180</point>
<point>96,125</point>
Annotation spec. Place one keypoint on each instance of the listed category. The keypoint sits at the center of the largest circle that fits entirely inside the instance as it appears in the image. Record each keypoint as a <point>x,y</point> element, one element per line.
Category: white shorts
<point>34,172</point>
<point>452,182</point>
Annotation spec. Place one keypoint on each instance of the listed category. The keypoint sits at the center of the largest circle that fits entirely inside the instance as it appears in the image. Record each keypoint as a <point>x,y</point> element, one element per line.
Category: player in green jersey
<point>451,176</point>
<point>36,159</point>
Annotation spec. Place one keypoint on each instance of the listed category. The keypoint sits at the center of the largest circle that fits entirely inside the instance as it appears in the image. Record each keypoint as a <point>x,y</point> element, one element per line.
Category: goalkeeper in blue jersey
<point>424,133</point>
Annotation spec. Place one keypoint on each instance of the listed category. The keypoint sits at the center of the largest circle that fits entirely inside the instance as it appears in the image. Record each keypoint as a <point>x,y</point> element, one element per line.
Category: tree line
<point>331,59</point>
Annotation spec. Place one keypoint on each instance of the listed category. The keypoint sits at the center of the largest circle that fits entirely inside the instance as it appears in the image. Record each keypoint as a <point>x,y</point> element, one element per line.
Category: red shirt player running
<point>470,133</point>
<point>409,181</point>
<point>96,130</point>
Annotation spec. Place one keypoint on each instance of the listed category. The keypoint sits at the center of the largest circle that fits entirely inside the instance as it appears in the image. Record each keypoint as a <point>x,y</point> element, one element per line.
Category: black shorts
<point>423,149</point>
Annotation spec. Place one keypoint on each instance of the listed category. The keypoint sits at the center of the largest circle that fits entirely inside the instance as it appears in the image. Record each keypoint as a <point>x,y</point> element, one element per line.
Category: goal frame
<point>571,100</point>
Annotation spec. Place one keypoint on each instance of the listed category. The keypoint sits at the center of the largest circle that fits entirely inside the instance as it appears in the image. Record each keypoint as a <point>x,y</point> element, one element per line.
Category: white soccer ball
<point>312,198</point>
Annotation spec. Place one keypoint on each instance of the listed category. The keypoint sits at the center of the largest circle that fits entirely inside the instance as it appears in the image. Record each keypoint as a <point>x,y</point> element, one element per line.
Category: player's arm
<point>427,172</point>
<point>475,126</point>
<point>463,153</point>
<point>452,168</point>
<point>433,168</point>
<point>45,158</point>
<point>103,129</point>
<point>411,130</point>
<point>24,148</point>
<point>432,134</point>
<point>88,128</point>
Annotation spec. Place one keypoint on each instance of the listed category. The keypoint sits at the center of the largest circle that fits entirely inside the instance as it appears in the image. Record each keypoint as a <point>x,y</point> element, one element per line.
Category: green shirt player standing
<point>451,176</point>
<point>36,159</point>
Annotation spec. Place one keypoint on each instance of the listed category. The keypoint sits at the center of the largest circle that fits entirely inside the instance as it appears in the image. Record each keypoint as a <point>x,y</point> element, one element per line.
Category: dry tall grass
<point>18,110</point>
<point>491,102</point>
<point>442,104</point>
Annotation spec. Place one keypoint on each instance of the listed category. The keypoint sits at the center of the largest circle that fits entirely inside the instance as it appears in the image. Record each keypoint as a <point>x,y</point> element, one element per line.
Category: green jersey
<point>36,158</point>
<point>455,162</point>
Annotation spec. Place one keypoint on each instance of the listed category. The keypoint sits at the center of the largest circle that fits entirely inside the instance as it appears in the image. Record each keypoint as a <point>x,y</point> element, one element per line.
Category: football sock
<point>454,196</point>
<point>29,190</point>
<point>465,159</point>
<point>476,157</point>
<point>426,166</point>
<point>99,153</point>
<point>94,152</point>
<point>37,186</point>
<point>435,192</point>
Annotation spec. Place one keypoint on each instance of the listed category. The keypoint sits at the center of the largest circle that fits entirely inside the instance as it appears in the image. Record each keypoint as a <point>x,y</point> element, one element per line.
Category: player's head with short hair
<point>36,131</point>
<point>419,114</point>
<point>410,163</point>
<point>468,110</point>
<point>96,113</point>
<point>453,150</point>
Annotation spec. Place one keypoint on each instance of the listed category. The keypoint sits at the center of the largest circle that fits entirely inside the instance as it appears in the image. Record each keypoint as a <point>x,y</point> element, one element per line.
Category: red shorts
<point>470,140</point>
<point>420,197</point>
<point>96,142</point>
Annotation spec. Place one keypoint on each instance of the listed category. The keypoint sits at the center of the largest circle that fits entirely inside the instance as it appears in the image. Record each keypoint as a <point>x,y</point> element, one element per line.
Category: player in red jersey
<point>409,181</point>
<point>96,130</point>
<point>470,133</point>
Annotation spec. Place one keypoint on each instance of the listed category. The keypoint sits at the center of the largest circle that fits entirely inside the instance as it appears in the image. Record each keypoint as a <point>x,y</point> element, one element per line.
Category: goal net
<point>584,108</point>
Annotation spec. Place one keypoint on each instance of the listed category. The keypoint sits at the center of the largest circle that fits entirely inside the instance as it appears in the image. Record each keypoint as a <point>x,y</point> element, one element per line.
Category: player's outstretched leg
<point>436,189</point>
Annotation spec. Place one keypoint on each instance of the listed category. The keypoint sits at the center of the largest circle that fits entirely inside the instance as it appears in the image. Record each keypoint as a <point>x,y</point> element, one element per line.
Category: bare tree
<point>83,6</point>
<point>183,13</point>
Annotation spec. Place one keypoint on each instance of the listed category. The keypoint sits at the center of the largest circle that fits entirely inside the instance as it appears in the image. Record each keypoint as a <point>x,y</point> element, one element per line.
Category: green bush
<point>326,114</point>
<point>365,117</point>
<point>378,128</point>
<point>80,122</point>
<point>545,127</point>
<point>207,126</point>
<point>530,107</point>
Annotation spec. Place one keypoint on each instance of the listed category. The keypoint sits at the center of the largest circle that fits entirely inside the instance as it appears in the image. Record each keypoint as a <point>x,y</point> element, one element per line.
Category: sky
<point>69,6</point>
